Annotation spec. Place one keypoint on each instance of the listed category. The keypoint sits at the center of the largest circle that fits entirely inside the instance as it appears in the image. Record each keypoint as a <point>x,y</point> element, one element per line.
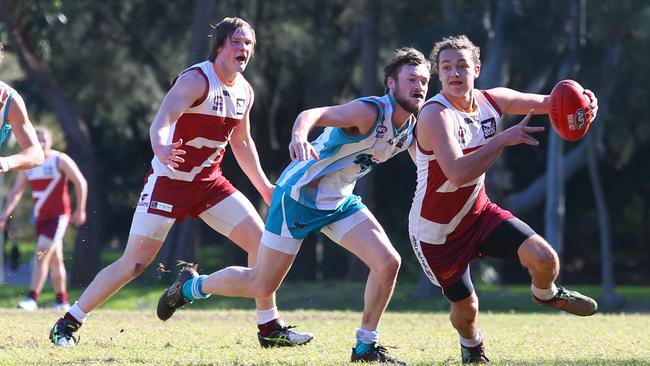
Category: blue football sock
<point>192,289</point>
<point>366,338</point>
<point>361,348</point>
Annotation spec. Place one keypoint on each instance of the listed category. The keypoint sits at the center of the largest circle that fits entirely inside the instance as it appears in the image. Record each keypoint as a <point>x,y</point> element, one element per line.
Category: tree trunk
<point>89,241</point>
<point>608,299</point>
<point>184,239</point>
<point>554,213</point>
<point>365,187</point>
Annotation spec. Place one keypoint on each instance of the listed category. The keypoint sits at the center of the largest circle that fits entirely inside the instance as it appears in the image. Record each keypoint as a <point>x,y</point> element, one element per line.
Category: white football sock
<point>544,294</point>
<point>472,342</point>
<point>265,316</point>
<point>367,336</point>
<point>77,313</point>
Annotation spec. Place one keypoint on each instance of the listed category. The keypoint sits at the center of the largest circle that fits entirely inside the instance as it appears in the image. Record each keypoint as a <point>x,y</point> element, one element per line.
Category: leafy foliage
<point>114,61</point>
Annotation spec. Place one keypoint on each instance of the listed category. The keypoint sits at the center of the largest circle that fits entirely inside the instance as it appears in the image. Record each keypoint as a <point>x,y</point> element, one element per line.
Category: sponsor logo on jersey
<point>225,93</point>
<point>217,103</point>
<point>366,161</point>
<point>401,141</point>
<point>380,131</point>
<point>161,206</point>
<point>489,127</point>
<point>240,106</point>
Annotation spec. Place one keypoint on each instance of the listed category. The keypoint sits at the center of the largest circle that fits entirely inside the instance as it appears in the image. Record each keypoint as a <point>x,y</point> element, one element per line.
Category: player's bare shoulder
<point>364,114</point>
<point>192,78</point>
<point>433,112</point>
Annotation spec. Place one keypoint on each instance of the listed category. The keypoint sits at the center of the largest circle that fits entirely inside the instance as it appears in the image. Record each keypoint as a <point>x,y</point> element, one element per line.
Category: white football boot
<point>28,304</point>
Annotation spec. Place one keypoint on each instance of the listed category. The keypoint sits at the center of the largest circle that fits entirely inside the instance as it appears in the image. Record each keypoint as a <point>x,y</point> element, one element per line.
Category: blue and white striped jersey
<point>325,183</point>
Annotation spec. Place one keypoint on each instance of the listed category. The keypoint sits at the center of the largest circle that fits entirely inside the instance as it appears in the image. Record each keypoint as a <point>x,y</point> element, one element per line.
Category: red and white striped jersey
<point>206,126</point>
<point>441,211</point>
<point>49,188</point>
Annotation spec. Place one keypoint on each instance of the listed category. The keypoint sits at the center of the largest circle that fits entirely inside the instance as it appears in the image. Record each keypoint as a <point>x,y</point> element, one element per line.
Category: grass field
<point>221,331</point>
<point>227,337</point>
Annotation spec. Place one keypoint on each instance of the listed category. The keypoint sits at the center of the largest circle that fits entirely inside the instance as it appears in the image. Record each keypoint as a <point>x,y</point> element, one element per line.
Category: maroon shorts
<point>178,199</point>
<point>446,263</point>
<point>52,228</point>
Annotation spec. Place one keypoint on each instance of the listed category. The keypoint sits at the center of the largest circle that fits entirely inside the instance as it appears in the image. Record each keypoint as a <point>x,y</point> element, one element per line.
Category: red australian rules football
<point>568,110</point>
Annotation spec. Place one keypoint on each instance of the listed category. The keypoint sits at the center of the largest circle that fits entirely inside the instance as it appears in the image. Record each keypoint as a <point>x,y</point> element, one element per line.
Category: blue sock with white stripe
<point>192,289</point>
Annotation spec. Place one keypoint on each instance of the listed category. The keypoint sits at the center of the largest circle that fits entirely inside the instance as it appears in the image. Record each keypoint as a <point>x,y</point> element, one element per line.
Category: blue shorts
<point>290,222</point>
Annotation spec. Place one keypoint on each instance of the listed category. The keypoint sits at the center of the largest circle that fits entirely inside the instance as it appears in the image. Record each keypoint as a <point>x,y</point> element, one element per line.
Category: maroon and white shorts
<point>445,263</point>
<point>50,231</point>
<point>165,200</point>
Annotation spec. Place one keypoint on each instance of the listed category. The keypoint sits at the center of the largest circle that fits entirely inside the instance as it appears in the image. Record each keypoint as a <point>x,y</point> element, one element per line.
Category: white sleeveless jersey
<point>325,183</point>
<point>206,126</point>
<point>440,208</point>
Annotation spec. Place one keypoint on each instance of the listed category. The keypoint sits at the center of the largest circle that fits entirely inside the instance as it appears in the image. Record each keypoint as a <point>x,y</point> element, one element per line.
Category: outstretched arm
<point>13,198</point>
<point>356,117</point>
<point>243,147</point>
<point>71,170</point>
<point>31,154</point>
<point>516,102</point>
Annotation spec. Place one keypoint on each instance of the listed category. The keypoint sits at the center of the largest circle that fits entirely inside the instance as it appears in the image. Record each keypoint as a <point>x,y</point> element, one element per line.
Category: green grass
<point>221,331</point>
<point>341,296</point>
<point>227,337</point>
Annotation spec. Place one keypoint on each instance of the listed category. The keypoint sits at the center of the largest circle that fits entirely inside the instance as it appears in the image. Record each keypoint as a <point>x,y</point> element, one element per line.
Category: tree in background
<point>112,63</point>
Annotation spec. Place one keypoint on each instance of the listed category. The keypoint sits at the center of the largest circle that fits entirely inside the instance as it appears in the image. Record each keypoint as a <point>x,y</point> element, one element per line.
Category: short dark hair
<point>223,31</point>
<point>403,56</point>
<point>460,42</point>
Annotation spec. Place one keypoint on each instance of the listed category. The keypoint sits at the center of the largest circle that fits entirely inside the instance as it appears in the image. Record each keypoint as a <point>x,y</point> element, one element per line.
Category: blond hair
<point>223,31</point>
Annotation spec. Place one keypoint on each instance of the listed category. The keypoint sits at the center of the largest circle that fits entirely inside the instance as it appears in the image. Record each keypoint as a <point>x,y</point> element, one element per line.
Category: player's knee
<point>466,309</point>
<point>546,258</point>
<point>41,255</point>
<point>391,263</point>
<point>263,289</point>
<point>539,255</point>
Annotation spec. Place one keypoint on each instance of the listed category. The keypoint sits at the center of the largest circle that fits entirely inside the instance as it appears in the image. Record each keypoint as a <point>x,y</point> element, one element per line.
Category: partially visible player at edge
<point>314,193</point>
<point>49,185</point>
<point>14,118</point>
<point>452,220</point>
<point>207,107</point>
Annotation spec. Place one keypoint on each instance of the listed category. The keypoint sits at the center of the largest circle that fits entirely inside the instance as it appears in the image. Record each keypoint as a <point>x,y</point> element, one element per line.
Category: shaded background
<point>95,72</point>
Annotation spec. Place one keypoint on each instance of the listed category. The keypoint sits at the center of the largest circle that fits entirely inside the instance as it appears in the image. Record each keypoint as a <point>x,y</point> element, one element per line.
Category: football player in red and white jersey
<point>452,221</point>
<point>207,108</point>
<point>49,185</point>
